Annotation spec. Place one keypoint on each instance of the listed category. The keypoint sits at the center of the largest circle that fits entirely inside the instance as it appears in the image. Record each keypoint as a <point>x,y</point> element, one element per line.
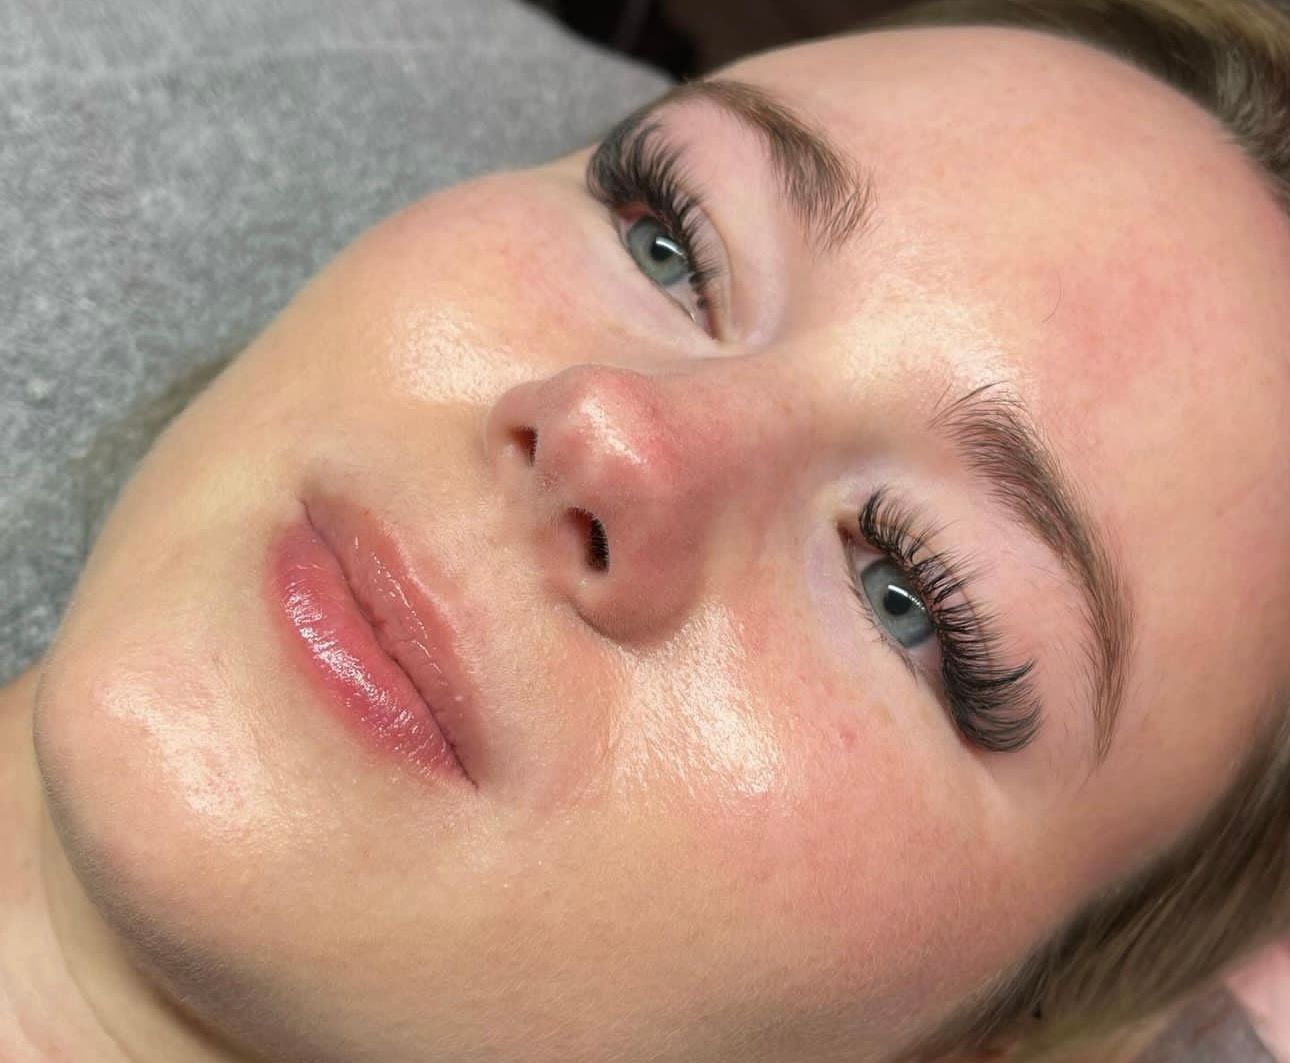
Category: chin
<point>174,878</point>
<point>125,793</point>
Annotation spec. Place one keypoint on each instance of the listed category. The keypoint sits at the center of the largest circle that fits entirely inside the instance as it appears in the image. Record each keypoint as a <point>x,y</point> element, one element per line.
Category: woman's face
<point>709,799</point>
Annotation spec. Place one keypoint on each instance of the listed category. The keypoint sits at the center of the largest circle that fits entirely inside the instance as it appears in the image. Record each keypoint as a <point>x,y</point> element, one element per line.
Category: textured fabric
<point>171,171</point>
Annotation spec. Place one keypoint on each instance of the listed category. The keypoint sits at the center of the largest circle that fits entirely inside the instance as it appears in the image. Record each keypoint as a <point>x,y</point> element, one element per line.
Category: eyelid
<point>993,705</point>
<point>704,316</point>
<point>646,173</point>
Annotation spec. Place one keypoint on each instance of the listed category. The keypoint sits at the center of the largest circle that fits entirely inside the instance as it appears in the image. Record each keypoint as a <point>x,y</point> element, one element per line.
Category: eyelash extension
<point>993,706</point>
<point>636,166</point>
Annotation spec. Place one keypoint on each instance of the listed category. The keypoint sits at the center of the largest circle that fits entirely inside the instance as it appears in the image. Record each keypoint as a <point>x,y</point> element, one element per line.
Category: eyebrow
<point>999,443</point>
<point>831,198</point>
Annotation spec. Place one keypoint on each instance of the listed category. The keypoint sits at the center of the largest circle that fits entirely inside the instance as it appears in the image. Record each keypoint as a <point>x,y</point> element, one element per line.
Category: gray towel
<point>171,171</point>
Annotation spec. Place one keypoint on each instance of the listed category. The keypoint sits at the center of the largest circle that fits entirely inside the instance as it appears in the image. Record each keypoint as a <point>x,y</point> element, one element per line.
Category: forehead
<point>1123,264</point>
<point>1048,167</point>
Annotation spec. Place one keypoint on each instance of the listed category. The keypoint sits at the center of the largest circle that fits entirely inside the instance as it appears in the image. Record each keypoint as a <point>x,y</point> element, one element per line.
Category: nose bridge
<point>635,470</point>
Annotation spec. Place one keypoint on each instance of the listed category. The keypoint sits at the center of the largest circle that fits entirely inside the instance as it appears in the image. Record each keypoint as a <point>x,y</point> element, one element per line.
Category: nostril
<point>598,547</point>
<point>592,532</point>
<point>526,440</point>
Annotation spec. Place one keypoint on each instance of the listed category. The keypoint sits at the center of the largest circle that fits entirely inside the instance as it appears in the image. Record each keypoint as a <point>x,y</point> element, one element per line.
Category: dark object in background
<point>687,38</point>
<point>639,28</point>
<point>723,30</point>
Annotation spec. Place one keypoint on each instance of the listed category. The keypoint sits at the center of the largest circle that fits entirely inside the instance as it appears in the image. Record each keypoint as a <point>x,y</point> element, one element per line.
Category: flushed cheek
<point>762,746</point>
<point>419,307</point>
<point>439,355</point>
<point>880,879</point>
<point>487,284</point>
<point>470,291</point>
<point>847,889</point>
<point>833,835</point>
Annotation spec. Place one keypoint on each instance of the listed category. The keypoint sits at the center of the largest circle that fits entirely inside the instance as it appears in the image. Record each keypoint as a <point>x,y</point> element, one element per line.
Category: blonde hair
<point>1163,932</point>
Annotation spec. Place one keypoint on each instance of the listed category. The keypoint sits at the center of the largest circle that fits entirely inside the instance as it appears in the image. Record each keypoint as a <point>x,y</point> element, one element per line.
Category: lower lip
<point>329,636</point>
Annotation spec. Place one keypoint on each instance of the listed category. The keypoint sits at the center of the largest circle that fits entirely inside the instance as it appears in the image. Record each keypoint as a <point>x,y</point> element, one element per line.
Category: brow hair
<point>1007,451</point>
<point>831,198</point>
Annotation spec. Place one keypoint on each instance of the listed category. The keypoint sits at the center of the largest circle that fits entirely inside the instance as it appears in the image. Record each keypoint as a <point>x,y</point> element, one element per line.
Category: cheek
<point>468,293</point>
<point>846,843</point>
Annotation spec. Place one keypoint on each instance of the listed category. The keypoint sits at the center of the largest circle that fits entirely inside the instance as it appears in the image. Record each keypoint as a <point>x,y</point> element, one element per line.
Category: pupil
<point>897,602</point>
<point>660,250</point>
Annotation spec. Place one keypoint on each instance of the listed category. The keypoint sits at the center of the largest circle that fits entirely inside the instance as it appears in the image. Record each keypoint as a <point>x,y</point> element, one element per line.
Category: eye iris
<point>895,605</point>
<point>659,256</point>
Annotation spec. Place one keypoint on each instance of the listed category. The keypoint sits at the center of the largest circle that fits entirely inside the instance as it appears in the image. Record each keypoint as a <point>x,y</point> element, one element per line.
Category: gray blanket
<point>171,171</point>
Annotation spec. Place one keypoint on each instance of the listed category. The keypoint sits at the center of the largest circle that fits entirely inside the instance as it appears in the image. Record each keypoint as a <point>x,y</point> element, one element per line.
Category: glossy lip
<point>369,633</point>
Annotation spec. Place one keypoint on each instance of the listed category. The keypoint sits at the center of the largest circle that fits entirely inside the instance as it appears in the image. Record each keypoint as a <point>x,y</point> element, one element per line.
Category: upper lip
<point>411,613</point>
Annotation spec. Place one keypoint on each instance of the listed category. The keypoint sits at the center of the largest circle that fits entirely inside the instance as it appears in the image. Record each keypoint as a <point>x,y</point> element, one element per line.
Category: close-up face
<point>724,595</point>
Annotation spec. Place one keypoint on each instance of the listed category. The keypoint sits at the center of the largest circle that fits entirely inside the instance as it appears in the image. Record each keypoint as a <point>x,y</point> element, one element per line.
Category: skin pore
<point>720,814</point>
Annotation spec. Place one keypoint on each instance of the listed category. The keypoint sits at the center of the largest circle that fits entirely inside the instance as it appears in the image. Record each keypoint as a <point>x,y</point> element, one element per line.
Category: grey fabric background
<point>171,171</point>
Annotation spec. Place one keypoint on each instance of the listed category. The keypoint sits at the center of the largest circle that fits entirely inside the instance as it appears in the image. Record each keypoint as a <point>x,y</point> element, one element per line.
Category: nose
<point>620,478</point>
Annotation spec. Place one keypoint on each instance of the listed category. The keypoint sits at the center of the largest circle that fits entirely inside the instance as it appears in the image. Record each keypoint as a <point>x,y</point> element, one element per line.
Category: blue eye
<point>895,604</point>
<point>660,256</point>
<point>668,262</point>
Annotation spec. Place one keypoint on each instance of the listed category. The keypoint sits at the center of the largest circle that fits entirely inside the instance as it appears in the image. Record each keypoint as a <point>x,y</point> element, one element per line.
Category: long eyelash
<point>636,166</point>
<point>993,705</point>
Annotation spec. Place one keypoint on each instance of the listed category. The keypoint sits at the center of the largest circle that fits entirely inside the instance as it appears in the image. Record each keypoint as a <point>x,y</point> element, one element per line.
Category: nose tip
<point>616,490</point>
